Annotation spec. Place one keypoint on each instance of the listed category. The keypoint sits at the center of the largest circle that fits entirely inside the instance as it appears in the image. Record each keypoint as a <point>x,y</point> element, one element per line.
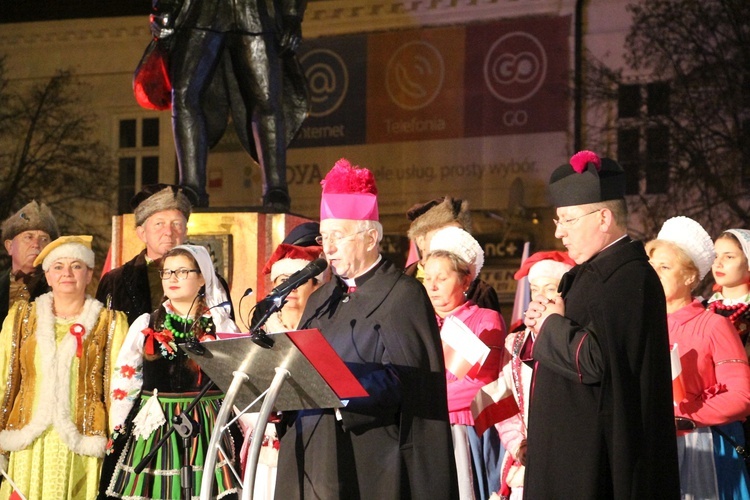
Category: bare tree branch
<point>48,153</point>
<point>702,48</point>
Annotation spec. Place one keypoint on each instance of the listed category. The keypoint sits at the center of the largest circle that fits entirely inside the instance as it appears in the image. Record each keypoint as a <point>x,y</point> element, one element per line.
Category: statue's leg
<point>193,60</point>
<point>258,70</point>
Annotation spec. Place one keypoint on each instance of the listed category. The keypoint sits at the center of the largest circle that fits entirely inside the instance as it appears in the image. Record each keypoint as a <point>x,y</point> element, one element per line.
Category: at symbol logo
<point>414,75</point>
<point>515,67</point>
<point>328,80</point>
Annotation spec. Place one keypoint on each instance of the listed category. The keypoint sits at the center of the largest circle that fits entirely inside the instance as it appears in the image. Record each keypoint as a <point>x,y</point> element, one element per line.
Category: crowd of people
<point>619,382</point>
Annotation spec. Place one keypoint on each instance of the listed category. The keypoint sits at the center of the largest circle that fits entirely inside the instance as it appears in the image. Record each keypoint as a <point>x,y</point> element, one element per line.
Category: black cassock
<point>601,421</point>
<point>396,443</point>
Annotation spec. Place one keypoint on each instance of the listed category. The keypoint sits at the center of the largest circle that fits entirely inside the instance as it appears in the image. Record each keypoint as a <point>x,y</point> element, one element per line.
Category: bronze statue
<point>233,57</point>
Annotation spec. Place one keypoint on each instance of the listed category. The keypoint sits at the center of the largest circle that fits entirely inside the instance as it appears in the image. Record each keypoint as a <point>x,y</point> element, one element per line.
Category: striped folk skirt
<point>160,479</point>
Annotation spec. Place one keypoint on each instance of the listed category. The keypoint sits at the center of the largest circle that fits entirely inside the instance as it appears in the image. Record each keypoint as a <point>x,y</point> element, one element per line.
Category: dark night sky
<point>19,11</point>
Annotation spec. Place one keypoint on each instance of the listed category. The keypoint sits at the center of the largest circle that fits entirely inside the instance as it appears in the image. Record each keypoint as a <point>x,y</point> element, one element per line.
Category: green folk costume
<point>151,364</point>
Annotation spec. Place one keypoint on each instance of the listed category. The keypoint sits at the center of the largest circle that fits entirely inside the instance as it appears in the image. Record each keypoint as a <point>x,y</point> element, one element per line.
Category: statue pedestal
<point>240,243</point>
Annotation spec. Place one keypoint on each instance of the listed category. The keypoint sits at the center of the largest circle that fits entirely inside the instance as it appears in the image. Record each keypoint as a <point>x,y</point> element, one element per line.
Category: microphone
<point>226,303</point>
<point>299,278</point>
<point>192,344</point>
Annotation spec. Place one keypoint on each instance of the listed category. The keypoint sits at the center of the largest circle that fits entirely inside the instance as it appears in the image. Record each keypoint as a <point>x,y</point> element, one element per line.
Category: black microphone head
<point>319,265</point>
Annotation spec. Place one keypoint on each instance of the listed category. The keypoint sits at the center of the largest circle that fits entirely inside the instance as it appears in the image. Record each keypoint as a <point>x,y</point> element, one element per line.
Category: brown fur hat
<point>437,214</point>
<point>157,198</point>
<point>32,217</point>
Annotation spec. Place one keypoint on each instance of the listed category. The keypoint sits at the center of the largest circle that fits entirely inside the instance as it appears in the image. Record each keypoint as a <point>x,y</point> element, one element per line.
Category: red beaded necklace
<point>738,309</point>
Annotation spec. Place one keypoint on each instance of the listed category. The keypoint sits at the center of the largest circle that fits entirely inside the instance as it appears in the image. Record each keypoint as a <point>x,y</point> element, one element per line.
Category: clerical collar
<point>360,280</point>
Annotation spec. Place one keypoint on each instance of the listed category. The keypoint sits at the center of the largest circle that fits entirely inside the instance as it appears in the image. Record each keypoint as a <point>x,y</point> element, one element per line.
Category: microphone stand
<point>256,334</point>
<point>187,428</point>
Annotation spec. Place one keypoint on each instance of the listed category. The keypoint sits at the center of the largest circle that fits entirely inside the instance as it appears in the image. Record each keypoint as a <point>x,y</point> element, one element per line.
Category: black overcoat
<point>128,288</point>
<point>601,422</point>
<point>396,443</point>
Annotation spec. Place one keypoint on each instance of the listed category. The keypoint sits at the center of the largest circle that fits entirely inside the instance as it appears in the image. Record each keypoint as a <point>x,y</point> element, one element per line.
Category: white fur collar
<point>53,401</point>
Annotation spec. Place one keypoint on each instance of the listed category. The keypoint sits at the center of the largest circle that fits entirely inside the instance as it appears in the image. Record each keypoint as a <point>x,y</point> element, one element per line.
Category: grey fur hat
<point>157,198</point>
<point>438,214</point>
<point>32,217</point>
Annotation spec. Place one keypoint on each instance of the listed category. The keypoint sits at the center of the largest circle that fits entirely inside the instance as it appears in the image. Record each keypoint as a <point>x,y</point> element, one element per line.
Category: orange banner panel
<point>415,85</point>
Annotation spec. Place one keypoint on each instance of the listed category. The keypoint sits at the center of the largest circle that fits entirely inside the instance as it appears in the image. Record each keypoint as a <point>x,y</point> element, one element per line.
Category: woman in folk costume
<point>714,369</point>
<point>453,263</point>
<point>731,271</point>
<point>56,359</point>
<point>285,261</point>
<point>155,379</point>
<point>544,271</point>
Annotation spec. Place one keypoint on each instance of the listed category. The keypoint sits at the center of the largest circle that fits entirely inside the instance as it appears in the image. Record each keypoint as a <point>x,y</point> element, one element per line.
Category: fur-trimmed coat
<point>37,287</point>
<point>35,369</point>
<point>128,288</point>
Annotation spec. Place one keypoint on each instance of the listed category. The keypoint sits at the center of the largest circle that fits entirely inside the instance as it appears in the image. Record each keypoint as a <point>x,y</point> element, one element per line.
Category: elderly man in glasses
<point>395,443</point>
<point>600,419</point>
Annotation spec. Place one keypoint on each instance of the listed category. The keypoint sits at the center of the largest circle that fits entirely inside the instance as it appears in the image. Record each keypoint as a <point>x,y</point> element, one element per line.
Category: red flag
<point>678,384</point>
<point>493,403</point>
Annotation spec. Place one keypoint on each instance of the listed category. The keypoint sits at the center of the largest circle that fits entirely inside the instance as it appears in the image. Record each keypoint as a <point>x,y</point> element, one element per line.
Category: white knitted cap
<point>457,241</point>
<point>692,239</point>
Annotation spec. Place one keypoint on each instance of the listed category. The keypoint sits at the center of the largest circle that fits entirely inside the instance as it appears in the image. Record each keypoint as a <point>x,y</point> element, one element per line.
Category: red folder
<point>331,367</point>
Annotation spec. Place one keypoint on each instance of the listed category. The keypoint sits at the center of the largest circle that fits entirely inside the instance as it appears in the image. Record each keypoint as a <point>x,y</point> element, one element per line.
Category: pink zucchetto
<point>349,192</point>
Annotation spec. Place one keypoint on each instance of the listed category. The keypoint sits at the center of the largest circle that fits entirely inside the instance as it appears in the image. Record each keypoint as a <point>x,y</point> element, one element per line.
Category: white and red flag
<point>464,353</point>
<point>493,403</point>
<point>678,385</point>
<point>16,494</point>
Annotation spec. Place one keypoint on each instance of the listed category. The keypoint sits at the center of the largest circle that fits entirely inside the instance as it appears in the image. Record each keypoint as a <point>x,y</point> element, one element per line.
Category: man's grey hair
<point>365,225</point>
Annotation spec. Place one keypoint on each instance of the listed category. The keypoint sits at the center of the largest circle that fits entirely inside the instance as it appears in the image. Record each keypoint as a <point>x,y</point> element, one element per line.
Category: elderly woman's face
<point>673,276</point>
<point>69,276</point>
<point>444,285</point>
<point>545,286</point>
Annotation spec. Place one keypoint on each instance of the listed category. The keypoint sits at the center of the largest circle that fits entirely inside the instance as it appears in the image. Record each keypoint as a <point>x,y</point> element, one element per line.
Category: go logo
<point>517,118</point>
<point>515,68</point>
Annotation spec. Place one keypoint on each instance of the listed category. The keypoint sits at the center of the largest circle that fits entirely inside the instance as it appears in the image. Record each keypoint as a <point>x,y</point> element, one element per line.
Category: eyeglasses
<point>182,274</point>
<point>335,238</point>
<point>569,222</point>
